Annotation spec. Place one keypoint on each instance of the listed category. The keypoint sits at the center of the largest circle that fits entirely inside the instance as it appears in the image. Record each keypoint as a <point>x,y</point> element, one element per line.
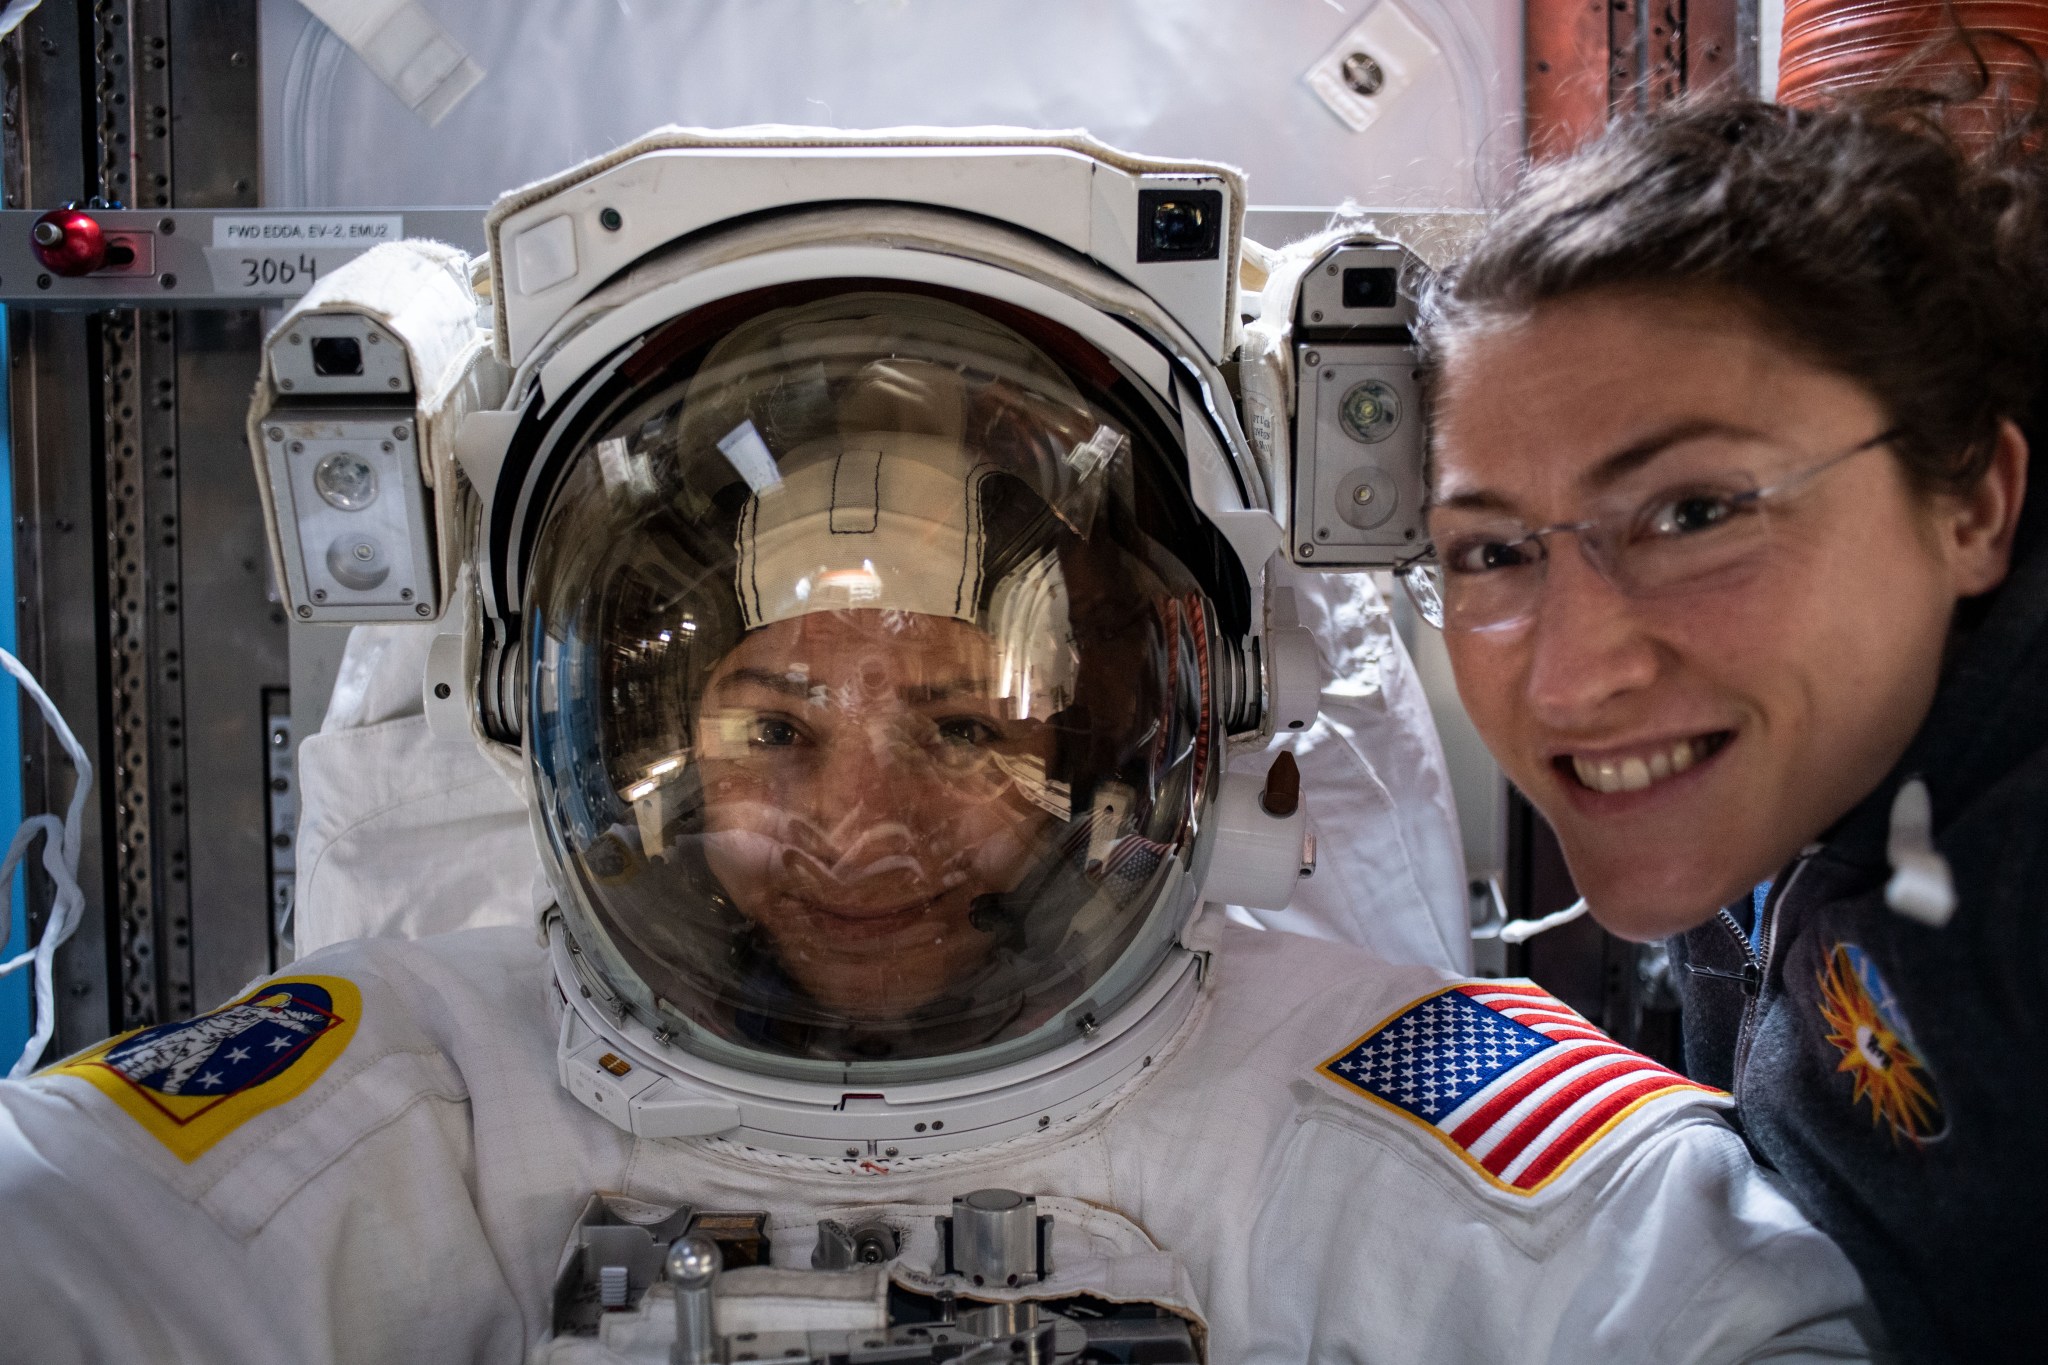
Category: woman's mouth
<point>875,917</point>
<point>1633,771</point>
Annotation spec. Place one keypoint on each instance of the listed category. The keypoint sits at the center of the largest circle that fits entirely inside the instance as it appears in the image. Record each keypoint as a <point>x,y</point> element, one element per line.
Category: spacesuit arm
<point>1692,1253</point>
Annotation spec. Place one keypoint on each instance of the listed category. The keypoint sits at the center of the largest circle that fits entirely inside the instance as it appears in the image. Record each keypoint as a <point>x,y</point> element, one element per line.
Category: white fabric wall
<point>1216,79</point>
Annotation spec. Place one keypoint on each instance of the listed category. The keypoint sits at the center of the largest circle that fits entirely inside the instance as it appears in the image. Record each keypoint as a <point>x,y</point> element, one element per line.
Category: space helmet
<point>869,700</point>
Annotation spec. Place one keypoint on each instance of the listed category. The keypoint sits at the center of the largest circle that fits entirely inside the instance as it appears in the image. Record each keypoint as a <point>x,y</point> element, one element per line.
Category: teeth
<point>1634,773</point>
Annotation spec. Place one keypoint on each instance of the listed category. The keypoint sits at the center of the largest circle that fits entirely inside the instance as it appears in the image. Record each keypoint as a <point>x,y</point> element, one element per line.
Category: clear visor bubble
<point>870,710</point>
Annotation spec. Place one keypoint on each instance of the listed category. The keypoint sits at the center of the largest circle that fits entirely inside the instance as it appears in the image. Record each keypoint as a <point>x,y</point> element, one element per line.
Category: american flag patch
<point>1516,1082</point>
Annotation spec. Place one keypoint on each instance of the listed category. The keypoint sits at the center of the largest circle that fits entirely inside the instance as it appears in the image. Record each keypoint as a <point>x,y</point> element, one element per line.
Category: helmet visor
<point>868,718</point>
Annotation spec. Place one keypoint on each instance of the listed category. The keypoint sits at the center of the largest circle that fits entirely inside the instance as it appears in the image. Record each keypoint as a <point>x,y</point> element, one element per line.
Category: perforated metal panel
<point>144,603</point>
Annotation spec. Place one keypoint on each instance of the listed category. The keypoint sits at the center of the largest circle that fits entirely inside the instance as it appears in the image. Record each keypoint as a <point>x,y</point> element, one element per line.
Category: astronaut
<point>874,657</point>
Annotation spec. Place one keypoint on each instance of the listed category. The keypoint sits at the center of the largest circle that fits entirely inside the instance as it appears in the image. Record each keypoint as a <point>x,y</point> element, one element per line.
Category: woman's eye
<point>1481,554</point>
<point>1689,514</point>
<point>967,730</point>
<point>773,732</point>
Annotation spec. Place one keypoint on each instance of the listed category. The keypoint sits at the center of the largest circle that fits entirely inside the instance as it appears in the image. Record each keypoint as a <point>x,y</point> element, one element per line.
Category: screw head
<point>423,610</point>
<point>305,611</point>
<point>1308,551</point>
<point>1363,74</point>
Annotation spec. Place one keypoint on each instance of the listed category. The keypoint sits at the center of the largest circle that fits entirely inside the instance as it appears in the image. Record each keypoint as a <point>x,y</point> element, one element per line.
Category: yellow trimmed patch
<point>192,1083</point>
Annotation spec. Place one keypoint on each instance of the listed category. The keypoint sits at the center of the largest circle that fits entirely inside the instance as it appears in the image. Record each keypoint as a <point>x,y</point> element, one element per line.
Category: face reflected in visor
<point>866,788</point>
<point>868,716</point>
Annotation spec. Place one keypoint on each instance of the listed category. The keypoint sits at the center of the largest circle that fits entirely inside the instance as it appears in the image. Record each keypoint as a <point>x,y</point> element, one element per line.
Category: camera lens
<point>1180,225</point>
<point>1176,226</point>
<point>1369,411</point>
<point>337,357</point>
<point>1369,286</point>
<point>347,482</point>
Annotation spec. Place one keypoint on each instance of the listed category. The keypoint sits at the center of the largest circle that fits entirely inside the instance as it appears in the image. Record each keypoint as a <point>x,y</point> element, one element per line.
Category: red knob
<point>69,242</point>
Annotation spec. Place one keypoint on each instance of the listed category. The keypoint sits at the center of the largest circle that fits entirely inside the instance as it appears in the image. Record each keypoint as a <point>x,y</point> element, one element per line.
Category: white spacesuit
<point>874,621</point>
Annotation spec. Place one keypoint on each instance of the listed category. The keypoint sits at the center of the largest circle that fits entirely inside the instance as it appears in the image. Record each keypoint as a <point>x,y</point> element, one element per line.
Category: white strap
<point>16,11</point>
<point>408,50</point>
<point>60,862</point>
<point>1522,930</point>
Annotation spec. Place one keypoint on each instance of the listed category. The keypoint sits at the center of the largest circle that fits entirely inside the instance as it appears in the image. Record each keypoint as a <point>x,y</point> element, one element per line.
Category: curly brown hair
<point>1898,237</point>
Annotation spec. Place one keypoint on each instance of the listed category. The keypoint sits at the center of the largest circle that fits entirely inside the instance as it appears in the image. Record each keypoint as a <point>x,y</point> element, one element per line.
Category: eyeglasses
<point>1487,574</point>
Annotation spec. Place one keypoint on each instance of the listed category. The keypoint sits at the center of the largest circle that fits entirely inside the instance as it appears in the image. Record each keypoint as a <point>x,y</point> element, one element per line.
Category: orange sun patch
<point>1877,1047</point>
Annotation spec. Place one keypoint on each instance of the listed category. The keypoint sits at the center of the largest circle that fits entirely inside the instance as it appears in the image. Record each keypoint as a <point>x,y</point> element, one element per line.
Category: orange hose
<point>1832,48</point>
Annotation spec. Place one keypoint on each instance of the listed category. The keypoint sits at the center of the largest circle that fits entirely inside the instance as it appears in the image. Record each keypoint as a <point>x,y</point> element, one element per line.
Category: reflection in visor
<point>869,724</point>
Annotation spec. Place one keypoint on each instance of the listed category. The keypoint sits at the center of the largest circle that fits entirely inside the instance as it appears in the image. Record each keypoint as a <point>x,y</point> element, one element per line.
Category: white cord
<point>1522,930</point>
<point>60,862</point>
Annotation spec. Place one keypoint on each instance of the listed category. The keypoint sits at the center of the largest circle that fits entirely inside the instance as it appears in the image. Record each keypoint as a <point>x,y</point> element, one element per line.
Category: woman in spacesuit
<point>1736,566</point>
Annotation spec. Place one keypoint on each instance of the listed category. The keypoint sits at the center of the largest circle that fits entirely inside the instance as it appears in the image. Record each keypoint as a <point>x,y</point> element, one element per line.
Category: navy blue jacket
<point>1897,1075</point>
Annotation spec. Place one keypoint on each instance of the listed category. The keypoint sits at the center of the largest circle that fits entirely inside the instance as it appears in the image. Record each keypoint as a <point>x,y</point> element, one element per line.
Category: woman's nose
<point>875,776</point>
<point>1585,646</point>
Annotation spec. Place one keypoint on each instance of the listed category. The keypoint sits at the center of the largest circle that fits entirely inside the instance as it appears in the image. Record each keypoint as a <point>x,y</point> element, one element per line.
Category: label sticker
<point>281,256</point>
<point>192,1083</point>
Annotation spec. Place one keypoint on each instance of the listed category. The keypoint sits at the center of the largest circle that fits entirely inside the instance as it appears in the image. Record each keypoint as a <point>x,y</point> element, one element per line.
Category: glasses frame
<point>1428,599</point>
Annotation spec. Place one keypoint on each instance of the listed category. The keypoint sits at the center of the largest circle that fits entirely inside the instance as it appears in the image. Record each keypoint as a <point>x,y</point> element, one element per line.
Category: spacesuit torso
<point>409,1198</point>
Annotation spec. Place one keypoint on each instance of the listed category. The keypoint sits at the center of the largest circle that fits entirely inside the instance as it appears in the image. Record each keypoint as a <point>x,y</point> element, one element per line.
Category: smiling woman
<point>1738,575</point>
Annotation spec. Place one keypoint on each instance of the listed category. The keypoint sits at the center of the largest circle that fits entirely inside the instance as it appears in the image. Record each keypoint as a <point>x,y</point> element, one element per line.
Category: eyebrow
<point>801,688</point>
<point>946,691</point>
<point>784,683</point>
<point>1613,468</point>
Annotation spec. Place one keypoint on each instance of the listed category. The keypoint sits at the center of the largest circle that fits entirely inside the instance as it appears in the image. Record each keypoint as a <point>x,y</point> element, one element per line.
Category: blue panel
<point>14,990</point>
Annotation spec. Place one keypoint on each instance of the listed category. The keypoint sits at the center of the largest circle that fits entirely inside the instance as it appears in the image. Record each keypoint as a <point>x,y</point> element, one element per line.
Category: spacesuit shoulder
<point>380,1021</point>
<point>1497,1079</point>
<point>273,1143</point>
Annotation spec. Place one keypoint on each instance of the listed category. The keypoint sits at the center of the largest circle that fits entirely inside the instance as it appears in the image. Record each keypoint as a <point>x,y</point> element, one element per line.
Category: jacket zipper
<point>1751,975</point>
<point>1760,962</point>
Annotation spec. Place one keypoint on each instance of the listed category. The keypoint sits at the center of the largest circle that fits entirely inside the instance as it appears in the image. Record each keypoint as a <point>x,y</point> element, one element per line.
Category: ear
<point>1978,529</point>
